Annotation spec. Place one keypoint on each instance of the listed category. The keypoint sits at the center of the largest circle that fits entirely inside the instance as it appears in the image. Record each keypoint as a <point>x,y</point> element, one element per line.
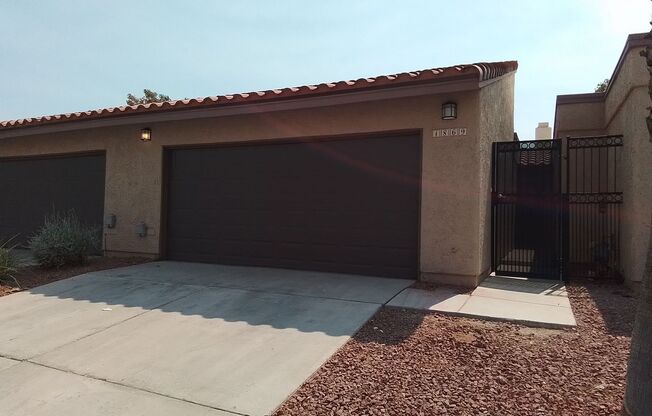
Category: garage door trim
<point>52,156</point>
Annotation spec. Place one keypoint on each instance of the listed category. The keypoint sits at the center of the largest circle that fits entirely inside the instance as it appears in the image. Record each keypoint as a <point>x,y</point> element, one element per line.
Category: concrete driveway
<point>172,338</point>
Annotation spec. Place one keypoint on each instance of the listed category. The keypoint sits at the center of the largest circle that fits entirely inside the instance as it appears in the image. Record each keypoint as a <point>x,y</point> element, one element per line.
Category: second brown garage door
<point>348,206</point>
<point>33,188</point>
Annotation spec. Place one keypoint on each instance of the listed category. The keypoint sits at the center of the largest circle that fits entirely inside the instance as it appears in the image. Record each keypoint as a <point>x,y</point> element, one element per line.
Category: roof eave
<point>480,72</point>
<point>443,86</point>
<point>591,97</point>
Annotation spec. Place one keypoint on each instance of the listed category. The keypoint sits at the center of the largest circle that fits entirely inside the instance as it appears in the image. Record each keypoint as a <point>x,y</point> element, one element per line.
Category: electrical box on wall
<point>141,229</point>
<point>109,221</point>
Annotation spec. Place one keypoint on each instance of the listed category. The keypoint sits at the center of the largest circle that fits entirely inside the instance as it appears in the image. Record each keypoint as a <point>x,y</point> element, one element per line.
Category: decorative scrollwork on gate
<point>603,198</point>
<point>595,141</point>
<point>528,145</point>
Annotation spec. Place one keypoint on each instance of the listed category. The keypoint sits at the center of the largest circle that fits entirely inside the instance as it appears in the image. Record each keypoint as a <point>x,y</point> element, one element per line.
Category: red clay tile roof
<point>483,72</point>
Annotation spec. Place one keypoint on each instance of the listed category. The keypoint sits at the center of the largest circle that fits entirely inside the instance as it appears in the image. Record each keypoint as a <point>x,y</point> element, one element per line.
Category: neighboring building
<point>543,131</point>
<point>383,176</point>
<point>621,110</point>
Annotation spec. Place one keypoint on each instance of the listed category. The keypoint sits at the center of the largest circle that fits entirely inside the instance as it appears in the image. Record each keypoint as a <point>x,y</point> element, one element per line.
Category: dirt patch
<point>33,276</point>
<point>418,363</point>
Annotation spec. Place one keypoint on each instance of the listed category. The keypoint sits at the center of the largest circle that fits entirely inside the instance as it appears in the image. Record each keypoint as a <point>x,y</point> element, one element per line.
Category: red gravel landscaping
<point>406,362</point>
<point>33,276</point>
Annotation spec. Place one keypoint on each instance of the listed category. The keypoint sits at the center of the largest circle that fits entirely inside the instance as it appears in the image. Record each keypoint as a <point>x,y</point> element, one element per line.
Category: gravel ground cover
<point>33,276</point>
<point>406,362</point>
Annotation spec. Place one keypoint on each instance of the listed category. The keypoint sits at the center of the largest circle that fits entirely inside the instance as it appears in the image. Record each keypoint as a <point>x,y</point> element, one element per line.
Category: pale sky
<point>65,56</point>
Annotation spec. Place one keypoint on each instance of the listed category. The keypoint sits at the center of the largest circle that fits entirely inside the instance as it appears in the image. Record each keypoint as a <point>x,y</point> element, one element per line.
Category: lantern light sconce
<point>449,111</point>
<point>146,135</point>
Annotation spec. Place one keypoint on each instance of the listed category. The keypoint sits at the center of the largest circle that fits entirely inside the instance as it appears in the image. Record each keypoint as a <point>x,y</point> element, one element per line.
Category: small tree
<point>149,97</point>
<point>602,87</point>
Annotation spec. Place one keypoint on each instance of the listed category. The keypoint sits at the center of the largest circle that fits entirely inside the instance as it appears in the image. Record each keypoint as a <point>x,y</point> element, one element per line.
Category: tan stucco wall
<point>453,180</point>
<point>496,124</point>
<point>623,111</point>
<point>627,117</point>
<point>579,119</point>
<point>632,75</point>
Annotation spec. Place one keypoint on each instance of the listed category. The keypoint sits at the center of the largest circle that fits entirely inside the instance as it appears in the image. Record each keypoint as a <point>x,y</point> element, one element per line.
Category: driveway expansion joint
<point>116,383</point>
<point>7,357</point>
<point>145,311</point>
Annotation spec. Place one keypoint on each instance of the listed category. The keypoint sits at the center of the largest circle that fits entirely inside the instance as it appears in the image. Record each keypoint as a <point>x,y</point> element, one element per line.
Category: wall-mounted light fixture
<point>449,111</point>
<point>146,134</point>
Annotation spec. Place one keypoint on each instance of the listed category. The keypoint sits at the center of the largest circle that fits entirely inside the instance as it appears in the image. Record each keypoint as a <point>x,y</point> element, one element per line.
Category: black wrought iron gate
<point>552,219</point>
<point>527,208</point>
<point>594,198</point>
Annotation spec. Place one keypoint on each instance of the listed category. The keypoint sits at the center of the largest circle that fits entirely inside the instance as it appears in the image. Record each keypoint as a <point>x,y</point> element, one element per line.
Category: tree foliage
<point>602,86</point>
<point>148,97</point>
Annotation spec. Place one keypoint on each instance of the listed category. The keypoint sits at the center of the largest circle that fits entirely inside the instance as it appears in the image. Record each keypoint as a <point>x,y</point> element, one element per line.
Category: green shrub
<point>64,241</point>
<point>8,263</point>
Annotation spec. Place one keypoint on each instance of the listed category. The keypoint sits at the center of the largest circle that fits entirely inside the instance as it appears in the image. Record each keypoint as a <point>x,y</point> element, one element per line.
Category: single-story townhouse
<point>385,176</point>
<point>621,110</point>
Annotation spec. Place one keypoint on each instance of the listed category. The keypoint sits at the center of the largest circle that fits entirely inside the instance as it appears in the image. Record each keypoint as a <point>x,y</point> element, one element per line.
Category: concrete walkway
<point>171,338</point>
<point>533,302</point>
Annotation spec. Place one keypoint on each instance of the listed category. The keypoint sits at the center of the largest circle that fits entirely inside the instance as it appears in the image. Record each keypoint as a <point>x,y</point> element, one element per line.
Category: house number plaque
<point>455,131</point>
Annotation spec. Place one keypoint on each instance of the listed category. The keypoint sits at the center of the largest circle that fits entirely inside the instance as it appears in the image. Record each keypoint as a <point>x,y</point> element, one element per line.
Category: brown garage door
<point>30,189</point>
<point>349,206</point>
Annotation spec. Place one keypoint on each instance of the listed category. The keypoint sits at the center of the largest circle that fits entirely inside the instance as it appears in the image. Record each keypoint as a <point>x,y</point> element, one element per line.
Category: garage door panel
<point>190,230</point>
<point>395,257</point>
<point>290,250</point>
<point>337,206</point>
<point>41,186</point>
<point>189,195</point>
<point>248,249</point>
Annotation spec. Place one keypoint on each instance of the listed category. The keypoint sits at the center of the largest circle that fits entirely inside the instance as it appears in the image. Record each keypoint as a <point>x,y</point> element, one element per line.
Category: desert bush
<point>8,263</point>
<point>64,241</point>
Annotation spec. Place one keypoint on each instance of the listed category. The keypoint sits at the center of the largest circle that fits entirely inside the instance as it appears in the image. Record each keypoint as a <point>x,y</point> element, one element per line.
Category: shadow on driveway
<point>306,301</point>
<point>238,339</point>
